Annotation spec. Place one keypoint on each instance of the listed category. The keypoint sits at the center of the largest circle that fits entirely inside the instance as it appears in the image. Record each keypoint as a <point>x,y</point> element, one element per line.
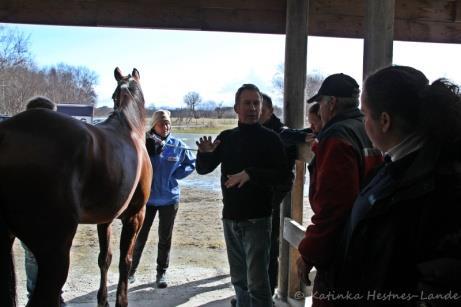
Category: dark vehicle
<point>4,117</point>
<point>83,112</point>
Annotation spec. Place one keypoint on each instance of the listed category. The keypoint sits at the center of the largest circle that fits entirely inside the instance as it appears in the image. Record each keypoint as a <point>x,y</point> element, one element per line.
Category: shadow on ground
<point>211,292</point>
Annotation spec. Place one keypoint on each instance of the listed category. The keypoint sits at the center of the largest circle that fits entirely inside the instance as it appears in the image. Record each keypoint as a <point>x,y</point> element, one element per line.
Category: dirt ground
<point>198,274</point>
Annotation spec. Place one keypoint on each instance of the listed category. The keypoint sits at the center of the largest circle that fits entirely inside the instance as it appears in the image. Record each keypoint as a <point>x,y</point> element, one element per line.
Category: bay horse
<point>57,172</point>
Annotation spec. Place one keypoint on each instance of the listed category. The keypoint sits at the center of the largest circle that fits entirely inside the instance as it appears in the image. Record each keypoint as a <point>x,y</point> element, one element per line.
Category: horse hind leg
<point>104,261</point>
<point>7,277</point>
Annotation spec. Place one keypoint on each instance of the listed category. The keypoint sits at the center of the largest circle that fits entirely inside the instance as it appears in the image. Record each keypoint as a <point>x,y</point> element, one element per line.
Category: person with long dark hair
<point>402,244</point>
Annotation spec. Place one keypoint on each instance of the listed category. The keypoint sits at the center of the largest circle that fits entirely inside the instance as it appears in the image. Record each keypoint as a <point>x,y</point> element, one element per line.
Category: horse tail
<point>7,277</point>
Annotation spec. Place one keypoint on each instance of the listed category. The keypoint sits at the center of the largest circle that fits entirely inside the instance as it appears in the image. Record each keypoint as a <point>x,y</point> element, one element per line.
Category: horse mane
<point>135,113</point>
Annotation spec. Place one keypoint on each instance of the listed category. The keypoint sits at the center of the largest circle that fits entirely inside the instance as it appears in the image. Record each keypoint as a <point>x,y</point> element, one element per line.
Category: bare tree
<point>69,84</point>
<point>192,100</point>
<point>219,109</point>
<point>277,79</point>
<point>14,48</point>
<point>14,57</point>
<point>20,78</point>
<point>313,81</point>
<point>65,84</point>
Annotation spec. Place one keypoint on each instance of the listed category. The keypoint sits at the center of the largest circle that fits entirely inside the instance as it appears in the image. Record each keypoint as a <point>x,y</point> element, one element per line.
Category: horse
<point>57,172</point>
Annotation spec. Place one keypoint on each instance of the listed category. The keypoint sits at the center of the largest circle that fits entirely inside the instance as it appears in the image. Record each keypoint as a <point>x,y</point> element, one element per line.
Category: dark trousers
<point>167,215</point>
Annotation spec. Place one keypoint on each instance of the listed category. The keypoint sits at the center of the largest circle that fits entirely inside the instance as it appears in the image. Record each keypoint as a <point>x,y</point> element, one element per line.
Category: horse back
<point>52,163</point>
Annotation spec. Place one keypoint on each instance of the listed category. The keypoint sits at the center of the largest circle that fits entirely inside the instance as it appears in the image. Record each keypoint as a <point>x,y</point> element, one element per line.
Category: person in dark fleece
<point>290,138</point>
<point>253,162</point>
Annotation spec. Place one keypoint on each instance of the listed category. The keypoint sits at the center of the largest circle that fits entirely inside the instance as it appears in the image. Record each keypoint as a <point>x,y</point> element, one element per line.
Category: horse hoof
<point>106,304</point>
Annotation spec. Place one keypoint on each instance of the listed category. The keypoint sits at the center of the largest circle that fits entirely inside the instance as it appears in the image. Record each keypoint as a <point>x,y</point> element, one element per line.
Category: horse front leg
<point>131,227</point>
<point>104,260</point>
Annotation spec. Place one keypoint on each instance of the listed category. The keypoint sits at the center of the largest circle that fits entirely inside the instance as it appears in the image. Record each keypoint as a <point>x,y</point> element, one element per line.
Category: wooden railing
<point>291,289</point>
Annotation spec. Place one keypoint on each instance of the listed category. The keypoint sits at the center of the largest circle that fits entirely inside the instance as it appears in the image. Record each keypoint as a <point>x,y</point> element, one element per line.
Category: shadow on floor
<point>211,292</point>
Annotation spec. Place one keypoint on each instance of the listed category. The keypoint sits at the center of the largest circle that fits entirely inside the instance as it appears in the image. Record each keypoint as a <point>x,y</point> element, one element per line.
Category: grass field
<point>201,125</point>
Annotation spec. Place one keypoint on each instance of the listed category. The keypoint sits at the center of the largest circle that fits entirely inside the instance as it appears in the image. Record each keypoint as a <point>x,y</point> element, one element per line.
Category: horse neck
<point>134,116</point>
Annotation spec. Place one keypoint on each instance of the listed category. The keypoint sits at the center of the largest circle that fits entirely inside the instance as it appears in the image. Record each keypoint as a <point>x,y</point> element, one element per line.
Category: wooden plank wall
<point>415,20</point>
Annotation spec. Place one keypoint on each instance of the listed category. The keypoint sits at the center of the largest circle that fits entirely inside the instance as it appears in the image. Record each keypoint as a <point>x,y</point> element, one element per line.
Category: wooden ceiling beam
<point>415,20</point>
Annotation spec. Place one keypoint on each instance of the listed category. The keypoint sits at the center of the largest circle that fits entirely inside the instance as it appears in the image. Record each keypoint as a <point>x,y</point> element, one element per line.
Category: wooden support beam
<point>293,103</point>
<point>458,11</point>
<point>284,252</point>
<point>294,283</point>
<point>295,62</point>
<point>379,35</point>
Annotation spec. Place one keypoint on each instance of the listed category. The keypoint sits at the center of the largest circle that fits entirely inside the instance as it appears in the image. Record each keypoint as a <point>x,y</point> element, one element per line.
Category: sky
<point>214,64</point>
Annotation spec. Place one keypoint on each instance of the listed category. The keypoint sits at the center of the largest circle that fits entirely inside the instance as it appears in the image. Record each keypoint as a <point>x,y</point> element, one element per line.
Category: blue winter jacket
<point>173,163</point>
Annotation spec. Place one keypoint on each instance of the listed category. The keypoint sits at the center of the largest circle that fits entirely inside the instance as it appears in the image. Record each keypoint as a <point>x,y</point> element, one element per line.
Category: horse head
<point>129,99</point>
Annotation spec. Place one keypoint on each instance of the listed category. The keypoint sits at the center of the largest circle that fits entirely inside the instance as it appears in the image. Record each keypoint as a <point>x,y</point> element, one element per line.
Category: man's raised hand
<point>204,144</point>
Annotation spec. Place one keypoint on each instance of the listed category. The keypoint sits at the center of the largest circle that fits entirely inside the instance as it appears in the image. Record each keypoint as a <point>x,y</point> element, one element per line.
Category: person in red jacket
<point>343,158</point>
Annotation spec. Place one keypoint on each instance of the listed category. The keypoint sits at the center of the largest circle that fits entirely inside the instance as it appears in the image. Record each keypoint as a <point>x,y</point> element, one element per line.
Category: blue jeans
<point>31,270</point>
<point>248,245</point>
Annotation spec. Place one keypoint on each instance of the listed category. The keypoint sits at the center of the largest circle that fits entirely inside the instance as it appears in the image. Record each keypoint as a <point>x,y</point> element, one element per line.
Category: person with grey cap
<point>171,160</point>
<point>343,159</point>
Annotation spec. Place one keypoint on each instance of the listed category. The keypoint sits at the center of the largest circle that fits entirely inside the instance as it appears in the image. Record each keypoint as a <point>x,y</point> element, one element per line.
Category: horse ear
<point>135,74</point>
<point>118,74</point>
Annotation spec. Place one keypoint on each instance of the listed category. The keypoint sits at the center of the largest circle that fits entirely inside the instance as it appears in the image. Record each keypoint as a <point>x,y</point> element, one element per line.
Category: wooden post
<point>295,62</point>
<point>293,105</point>
<point>294,283</point>
<point>458,11</point>
<point>284,254</point>
<point>379,35</point>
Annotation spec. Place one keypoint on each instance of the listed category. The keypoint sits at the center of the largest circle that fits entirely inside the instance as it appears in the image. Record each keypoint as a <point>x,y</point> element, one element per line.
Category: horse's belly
<point>92,216</point>
<point>105,211</point>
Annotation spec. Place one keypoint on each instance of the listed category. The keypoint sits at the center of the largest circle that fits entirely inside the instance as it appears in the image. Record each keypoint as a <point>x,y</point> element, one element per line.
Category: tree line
<point>21,78</point>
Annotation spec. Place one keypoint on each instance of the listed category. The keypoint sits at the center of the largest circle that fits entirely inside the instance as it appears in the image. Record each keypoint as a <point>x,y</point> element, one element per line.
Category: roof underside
<point>415,20</point>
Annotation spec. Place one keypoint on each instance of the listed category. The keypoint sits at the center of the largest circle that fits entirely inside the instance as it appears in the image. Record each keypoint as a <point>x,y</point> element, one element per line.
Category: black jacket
<point>260,153</point>
<point>290,137</point>
<point>408,243</point>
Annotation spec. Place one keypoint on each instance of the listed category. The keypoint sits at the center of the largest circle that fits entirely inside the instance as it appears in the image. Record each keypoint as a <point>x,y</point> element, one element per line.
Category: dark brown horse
<point>57,172</point>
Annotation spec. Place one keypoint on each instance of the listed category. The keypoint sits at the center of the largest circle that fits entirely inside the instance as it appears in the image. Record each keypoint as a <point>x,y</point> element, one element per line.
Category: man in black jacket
<point>290,138</point>
<point>253,162</point>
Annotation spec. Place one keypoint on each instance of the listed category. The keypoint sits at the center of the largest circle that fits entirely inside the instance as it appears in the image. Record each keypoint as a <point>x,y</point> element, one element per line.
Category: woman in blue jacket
<point>171,161</point>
